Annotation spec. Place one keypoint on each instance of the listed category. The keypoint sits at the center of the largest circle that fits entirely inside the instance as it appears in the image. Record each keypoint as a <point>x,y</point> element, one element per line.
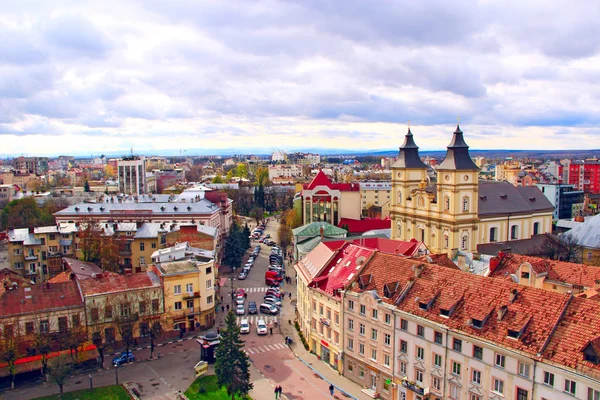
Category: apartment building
<point>288,171</point>
<point>584,174</point>
<point>131,175</point>
<point>377,194</point>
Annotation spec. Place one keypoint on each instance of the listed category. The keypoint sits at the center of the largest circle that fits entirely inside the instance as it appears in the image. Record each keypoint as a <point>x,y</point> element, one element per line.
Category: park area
<point>206,388</point>
<point>114,392</point>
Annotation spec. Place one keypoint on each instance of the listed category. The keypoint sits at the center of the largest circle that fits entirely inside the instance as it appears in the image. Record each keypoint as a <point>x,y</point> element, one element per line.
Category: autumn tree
<point>10,347</point>
<point>59,370</point>
<point>98,246</point>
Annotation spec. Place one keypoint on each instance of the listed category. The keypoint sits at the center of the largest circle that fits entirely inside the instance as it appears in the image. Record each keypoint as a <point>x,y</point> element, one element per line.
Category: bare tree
<point>59,370</point>
<point>10,347</point>
<point>572,249</point>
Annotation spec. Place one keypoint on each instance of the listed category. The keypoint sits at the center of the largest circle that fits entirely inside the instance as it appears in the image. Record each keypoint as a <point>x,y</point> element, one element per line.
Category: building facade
<point>323,200</point>
<point>131,175</point>
<point>584,174</point>
<point>562,197</point>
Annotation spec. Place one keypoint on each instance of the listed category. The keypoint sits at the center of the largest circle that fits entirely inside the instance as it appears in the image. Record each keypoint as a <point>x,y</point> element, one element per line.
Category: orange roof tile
<point>40,298</point>
<point>113,283</point>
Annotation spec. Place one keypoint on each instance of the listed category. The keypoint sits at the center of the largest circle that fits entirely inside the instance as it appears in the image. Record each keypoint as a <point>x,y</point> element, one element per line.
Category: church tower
<point>457,198</point>
<point>408,172</point>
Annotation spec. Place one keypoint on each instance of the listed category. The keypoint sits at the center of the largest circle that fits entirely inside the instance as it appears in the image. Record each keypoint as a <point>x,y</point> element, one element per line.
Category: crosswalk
<point>256,289</point>
<point>253,319</point>
<point>266,348</point>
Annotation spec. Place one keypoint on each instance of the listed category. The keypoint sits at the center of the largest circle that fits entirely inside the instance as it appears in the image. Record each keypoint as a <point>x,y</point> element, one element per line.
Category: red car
<point>240,292</point>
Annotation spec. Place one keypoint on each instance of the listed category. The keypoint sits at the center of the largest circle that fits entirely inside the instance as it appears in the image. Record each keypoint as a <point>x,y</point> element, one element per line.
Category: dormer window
<point>477,323</point>
<point>591,351</point>
<point>513,334</point>
<point>445,313</point>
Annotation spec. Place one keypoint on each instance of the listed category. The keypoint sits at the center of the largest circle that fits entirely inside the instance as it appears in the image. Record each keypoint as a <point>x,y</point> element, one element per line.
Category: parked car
<point>240,300</point>
<point>273,290</point>
<point>124,358</point>
<point>240,309</point>
<point>261,327</point>
<point>240,292</point>
<point>277,295</point>
<point>267,236</point>
<point>244,326</point>
<point>243,275</point>
<point>269,309</point>
<point>252,309</point>
<point>273,301</point>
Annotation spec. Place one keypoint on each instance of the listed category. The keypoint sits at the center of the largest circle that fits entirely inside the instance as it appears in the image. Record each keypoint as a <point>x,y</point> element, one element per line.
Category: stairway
<point>371,393</point>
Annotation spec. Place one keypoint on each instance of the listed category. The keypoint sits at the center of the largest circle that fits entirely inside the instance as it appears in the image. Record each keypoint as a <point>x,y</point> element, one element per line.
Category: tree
<point>9,348</point>
<point>98,247</point>
<point>232,364</point>
<point>43,346</point>
<point>109,172</point>
<point>101,345</point>
<point>257,213</point>
<point>572,249</point>
<point>285,234</point>
<point>59,370</point>
<point>217,179</point>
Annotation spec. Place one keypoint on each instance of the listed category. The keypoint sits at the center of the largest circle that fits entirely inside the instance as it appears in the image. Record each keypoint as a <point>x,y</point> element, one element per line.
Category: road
<point>273,362</point>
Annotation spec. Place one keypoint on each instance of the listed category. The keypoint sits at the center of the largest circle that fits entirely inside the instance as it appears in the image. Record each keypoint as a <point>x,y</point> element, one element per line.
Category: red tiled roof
<point>481,296</point>
<point>579,326</point>
<point>322,180</point>
<point>400,247</point>
<point>64,276</point>
<point>40,298</point>
<point>113,283</point>
<point>82,269</point>
<point>364,225</point>
<point>559,271</point>
<point>342,268</point>
<point>314,261</point>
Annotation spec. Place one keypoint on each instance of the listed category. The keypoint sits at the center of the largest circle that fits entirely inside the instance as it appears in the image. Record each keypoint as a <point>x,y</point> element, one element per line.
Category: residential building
<point>376,194</point>
<point>131,175</point>
<point>508,171</point>
<point>278,156</point>
<point>584,174</point>
<point>189,292</point>
<point>562,197</point>
<point>288,171</point>
<point>7,192</point>
<point>459,211</point>
<point>32,165</point>
<point>323,200</point>
<point>586,238</point>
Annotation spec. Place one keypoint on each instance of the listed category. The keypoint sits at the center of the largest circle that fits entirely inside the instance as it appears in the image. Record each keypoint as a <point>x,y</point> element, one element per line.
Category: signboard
<point>413,386</point>
<point>201,368</point>
<point>324,343</point>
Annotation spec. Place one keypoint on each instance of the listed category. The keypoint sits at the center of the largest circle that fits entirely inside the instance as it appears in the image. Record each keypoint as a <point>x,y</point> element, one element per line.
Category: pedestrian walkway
<point>256,289</point>
<point>253,319</point>
<point>266,348</point>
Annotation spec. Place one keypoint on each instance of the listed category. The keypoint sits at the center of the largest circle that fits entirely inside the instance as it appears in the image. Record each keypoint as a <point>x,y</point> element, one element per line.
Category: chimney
<point>418,269</point>
<point>513,295</point>
<point>502,312</point>
<point>322,232</point>
<point>597,284</point>
<point>462,262</point>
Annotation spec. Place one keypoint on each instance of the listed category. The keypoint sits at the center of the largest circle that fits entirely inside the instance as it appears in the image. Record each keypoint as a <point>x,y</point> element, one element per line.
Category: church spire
<point>457,155</point>
<point>408,156</point>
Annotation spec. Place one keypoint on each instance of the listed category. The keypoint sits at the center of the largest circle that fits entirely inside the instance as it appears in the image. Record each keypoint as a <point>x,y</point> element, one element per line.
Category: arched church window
<point>464,242</point>
<point>465,204</point>
<point>446,203</point>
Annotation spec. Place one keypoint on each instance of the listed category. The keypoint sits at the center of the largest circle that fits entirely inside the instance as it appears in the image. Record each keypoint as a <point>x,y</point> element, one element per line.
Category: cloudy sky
<point>101,76</point>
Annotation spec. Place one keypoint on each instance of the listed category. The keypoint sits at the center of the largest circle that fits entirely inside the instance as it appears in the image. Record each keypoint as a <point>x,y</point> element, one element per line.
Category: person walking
<point>279,390</point>
<point>331,389</point>
<point>227,307</point>
<point>222,308</point>
<point>276,391</point>
<point>271,330</point>
<point>290,293</point>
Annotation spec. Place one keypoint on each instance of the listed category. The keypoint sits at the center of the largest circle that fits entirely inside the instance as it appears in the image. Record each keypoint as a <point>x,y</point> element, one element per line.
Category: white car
<point>272,300</point>
<point>261,327</point>
<point>244,326</point>
<point>240,309</point>
<point>240,300</point>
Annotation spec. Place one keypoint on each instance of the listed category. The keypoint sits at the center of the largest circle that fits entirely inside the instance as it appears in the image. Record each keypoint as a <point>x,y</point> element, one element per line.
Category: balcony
<point>30,257</point>
<point>125,252</point>
<point>194,295</point>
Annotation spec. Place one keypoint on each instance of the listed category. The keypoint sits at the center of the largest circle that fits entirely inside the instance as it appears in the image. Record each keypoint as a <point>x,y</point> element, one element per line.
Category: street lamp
<point>117,373</point>
<point>232,279</point>
<point>91,385</point>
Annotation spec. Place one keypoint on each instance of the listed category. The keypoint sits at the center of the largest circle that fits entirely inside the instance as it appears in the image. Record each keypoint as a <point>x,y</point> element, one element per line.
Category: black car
<point>252,309</point>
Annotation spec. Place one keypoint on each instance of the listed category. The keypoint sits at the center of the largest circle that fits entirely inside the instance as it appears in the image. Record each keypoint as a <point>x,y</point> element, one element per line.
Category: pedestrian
<point>276,391</point>
<point>222,308</point>
<point>279,390</point>
<point>218,330</point>
<point>221,299</point>
<point>290,293</point>
<point>227,307</point>
<point>271,330</point>
<point>331,389</point>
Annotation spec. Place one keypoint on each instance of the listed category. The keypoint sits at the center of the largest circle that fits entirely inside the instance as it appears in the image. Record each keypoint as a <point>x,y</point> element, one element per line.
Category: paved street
<point>299,373</point>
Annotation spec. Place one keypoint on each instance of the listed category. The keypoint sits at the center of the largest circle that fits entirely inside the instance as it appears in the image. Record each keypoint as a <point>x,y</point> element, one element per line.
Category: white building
<point>278,156</point>
<point>284,171</point>
<point>131,175</point>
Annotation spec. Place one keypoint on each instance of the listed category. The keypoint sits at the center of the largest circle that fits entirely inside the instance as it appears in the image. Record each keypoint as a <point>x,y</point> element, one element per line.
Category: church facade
<point>458,212</point>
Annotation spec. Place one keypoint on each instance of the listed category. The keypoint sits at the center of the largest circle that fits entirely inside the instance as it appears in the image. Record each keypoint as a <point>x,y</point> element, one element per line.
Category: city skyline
<point>295,75</point>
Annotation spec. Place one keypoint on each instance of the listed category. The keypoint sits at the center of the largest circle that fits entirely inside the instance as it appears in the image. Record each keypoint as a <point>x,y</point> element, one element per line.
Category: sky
<point>102,76</point>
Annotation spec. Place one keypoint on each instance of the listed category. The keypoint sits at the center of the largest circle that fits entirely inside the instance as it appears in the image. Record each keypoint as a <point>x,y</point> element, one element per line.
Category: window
<point>142,260</point>
<point>32,268</point>
<point>314,304</point>
<point>19,265</point>
<point>177,289</point>
<point>374,354</point>
<point>209,284</point>
<point>570,386</point>
<point>420,353</point>
<point>361,329</point>
<point>514,232</point>
<point>142,246</point>
<point>456,368</point>
<point>524,369</point>
<point>387,339</point>
<point>536,228</point>
<point>403,367</point>
<point>388,319</point>
<point>437,360</point>
<point>476,377</point>
<point>108,314</point>
<point>153,245</point>
<point>328,314</point>
<point>209,299</point>
<point>142,307</point>
<point>321,309</point>
<point>18,251</point>
<point>478,352</point>
<point>403,324</point>
<point>593,394</point>
<point>336,317</point>
<point>29,330</point>
<point>155,305</point>
<point>350,324</point>
<point>363,309</point>
<point>374,314</point>
<point>44,326</point>
<point>189,288</point>
<point>420,331</point>
<point>361,349</point>
<point>522,394</point>
<point>350,305</point>
<point>499,362</point>
<point>498,386</point>
<point>446,241</point>
<point>63,324</point>
<point>446,203</point>
<point>465,204</point>
<point>548,379</point>
<point>178,305</point>
<point>438,337</point>
<point>361,372</point>
<point>386,360</point>
<point>457,345</point>
<point>464,242</point>
<point>493,234</point>
<point>350,367</point>
<point>436,383</point>
<point>190,304</point>
<point>94,314</point>
<point>75,320</point>
<point>419,376</point>
<point>125,309</point>
<point>403,346</point>
<point>386,385</point>
<point>454,392</point>
<point>373,334</point>
<point>208,270</point>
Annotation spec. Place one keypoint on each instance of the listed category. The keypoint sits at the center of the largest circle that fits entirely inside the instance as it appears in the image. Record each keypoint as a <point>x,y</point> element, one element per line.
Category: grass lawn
<point>213,392</point>
<point>113,392</point>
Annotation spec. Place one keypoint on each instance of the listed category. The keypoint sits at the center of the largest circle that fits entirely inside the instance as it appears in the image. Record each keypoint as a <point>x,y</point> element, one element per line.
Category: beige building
<point>378,194</point>
<point>508,172</point>
<point>459,211</point>
<point>323,200</point>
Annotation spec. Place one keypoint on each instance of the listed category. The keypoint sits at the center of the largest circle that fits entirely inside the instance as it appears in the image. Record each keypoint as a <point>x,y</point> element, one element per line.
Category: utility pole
<point>232,280</point>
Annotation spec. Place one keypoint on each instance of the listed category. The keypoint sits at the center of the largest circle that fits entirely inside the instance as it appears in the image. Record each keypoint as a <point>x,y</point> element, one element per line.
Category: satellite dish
<point>514,278</point>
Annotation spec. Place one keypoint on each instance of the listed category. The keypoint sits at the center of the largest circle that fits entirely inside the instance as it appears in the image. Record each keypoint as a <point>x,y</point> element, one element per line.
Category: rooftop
<point>114,283</point>
<point>40,298</point>
<point>178,268</point>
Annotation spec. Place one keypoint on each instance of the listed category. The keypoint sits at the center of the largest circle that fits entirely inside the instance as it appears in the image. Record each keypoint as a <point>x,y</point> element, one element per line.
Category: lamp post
<point>232,279</point>
<point>91,384</point>
<point>117,373</point>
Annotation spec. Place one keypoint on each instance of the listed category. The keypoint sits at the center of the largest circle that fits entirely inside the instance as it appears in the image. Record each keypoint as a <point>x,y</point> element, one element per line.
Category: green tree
<point>257,213</point>
<point>217,179</point>
<point>9,349</point>
<point>241,170</point>
<point>232,363</point>
<point>59,370</point>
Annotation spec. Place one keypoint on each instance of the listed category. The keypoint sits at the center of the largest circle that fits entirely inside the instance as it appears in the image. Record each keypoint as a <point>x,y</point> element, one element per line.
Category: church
<point>458,211</point>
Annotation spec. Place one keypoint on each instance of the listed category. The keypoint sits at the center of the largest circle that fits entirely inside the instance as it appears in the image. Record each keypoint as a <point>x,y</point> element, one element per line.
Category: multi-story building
<point>459,211</point>
<point>584,174</point>
<point>288,171</point>
<point>508,171</point>
<point>562,197</point>
<point>378,194</point>
<point>131,175</point>
<point>586,239</point>
<point>189,293</point>
<point>323,200</point>
<point>32,165</point>
<point>7,192</point>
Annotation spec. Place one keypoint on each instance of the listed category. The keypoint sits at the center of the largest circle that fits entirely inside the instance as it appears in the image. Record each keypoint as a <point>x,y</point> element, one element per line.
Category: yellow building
<point>459,211</point>
<point>509,171</point>
<point>376,194</point>
<point>189,293</point>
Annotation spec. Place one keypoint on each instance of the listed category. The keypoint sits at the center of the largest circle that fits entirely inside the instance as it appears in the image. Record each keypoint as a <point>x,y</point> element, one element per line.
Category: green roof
<point>314,229</point>
<point>308,245</point>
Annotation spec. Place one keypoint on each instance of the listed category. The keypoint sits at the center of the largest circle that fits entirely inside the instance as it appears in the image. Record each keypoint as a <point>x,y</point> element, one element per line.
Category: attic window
<point>477,323</point>
<point>390,289</point>
<point>504,196</point>
<point>426,305</point>
<point>364,280</point>
<point>532,199</point>
<point>484,198</point>
<point>513,334</point>
<point>445,313</point>
<point>590,351</point>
